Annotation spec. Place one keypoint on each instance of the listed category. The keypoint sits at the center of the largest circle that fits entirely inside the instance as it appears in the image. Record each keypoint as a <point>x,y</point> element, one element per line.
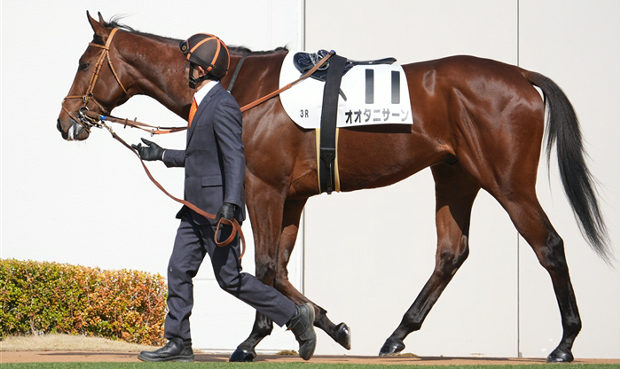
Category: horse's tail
<point>563,130</point>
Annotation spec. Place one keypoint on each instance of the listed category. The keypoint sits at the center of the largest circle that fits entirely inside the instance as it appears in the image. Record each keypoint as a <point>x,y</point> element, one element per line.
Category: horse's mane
<point>115,23</point>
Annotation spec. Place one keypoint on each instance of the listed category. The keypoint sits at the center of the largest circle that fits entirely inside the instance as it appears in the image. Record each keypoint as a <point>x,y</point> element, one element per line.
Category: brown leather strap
<point>105,54</point>
<point>236,227</point>
<point>154,130</point>
<point>279,91</point>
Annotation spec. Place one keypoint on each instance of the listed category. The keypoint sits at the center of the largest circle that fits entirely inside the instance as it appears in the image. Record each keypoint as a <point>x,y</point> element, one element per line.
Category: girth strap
<point>327,151</point>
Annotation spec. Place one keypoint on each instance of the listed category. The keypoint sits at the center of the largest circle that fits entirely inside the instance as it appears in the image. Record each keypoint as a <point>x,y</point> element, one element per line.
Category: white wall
<point>576,44</point>
<point>89,203</point>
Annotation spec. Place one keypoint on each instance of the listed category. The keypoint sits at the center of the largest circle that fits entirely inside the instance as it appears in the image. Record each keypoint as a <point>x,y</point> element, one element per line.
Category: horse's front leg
<point>290,227</point>
<point>265,206</point>
<point>273,270</point>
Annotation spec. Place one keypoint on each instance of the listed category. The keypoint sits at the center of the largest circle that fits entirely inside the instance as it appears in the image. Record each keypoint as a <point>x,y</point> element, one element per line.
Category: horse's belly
<point>374,159</point>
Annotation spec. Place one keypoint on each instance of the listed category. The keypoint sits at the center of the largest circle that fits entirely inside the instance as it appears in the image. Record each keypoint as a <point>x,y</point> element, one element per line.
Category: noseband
<point>84,119</point>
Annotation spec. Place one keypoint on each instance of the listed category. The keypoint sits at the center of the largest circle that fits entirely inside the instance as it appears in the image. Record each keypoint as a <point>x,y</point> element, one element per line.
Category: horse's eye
<point>84,66</point>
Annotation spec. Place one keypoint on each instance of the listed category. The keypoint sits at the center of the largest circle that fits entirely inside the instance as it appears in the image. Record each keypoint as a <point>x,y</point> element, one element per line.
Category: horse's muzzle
<point>74,132</point>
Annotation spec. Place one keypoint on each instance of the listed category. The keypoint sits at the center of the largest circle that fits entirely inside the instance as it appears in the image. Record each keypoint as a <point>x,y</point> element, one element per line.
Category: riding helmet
<point>209,52</point>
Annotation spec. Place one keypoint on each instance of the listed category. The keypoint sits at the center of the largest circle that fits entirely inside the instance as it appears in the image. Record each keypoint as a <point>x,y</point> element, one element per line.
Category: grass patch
<point>300,365</point>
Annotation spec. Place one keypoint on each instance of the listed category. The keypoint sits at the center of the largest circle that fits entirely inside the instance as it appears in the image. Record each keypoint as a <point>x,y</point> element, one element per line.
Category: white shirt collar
<point>200,94</point>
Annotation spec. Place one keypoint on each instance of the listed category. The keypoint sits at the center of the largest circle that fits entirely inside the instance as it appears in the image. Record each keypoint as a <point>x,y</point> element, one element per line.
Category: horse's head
<point>97,87</point>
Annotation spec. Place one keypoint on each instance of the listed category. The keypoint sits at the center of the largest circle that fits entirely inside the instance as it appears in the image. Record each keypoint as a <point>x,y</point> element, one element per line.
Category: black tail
<point>563,129</point>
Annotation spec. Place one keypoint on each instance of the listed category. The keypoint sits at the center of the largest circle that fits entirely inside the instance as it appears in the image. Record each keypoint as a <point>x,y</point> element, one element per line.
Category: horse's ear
<point>101,20</point>
<point>98,27</point>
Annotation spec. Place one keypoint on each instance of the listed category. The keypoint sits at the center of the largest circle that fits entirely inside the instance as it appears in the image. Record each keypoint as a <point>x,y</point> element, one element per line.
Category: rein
<point>88,119</point>
<point>280,90</point>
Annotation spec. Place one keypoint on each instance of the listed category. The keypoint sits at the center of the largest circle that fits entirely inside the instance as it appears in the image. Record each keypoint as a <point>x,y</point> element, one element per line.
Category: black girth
<point>327,151</point>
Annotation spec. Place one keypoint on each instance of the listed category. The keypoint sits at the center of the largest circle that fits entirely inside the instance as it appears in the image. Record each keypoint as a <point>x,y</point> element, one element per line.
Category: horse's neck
<point>158,71</point>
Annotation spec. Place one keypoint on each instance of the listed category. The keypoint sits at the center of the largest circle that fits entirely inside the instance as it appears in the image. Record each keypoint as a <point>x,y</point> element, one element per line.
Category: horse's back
<point>468,72</point>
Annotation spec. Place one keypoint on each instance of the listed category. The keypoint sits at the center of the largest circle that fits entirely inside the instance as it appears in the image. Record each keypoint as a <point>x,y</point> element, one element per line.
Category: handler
<point>214,181</point>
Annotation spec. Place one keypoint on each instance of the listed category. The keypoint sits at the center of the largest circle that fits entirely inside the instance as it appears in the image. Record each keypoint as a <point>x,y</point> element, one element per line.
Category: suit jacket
<point>213,157</point>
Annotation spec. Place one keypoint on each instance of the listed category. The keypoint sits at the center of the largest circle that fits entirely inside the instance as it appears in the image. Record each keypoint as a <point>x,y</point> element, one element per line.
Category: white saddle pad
<point>375,94</point>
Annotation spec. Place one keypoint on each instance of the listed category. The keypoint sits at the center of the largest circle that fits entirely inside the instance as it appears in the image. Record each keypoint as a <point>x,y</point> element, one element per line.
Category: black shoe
<point>302,327</point>
<point>177,349</point>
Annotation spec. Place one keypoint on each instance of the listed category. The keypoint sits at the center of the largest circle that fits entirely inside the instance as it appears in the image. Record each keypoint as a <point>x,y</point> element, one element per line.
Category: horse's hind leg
<point>533,224</point>
<point>455,193</point>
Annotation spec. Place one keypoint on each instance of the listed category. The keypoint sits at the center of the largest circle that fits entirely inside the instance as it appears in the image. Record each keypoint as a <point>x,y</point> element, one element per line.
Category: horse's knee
<point>265,268</point>
<point>551,254</point>
<point>279,284</point>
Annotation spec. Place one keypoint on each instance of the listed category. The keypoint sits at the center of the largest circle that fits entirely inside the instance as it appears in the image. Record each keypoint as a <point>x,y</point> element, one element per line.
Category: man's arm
<point>173,158</point>
<point>228,129</point>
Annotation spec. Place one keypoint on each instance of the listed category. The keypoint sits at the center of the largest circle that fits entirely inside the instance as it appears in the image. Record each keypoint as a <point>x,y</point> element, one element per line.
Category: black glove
<point>227,211</point>
<point>151,151</point>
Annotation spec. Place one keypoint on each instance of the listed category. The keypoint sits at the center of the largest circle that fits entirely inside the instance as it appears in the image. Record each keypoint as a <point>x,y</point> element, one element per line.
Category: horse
<point>479,124</point>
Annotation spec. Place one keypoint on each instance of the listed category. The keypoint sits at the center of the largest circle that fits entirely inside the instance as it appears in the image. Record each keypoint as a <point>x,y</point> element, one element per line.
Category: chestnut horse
<point>478,124</point>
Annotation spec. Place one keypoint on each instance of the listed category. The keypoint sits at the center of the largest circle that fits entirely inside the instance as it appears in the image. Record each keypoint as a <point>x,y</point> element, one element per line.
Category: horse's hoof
<point>242,355</point>
<point>391,347</point>
<point>343,335</point>
<point>560,356</point>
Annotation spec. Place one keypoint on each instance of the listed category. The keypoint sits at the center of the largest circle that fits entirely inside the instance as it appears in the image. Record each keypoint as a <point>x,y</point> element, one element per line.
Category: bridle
<point>88,119</point>
<point>83,118</point>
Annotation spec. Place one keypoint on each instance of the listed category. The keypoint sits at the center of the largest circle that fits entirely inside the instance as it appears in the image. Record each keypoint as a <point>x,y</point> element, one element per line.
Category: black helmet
<point>209,52</point>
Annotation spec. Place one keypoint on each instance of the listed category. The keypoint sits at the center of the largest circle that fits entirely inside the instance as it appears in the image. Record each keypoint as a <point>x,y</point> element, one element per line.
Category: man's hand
<point>227,211</point>
<point>151,151</point>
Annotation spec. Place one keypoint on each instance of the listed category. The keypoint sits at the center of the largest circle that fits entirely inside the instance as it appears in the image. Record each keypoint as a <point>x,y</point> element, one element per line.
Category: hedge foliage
<point>39,297</point>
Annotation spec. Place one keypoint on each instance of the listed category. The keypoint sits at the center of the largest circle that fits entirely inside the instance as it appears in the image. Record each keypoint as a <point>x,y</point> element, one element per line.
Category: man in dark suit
<point>214,181</point>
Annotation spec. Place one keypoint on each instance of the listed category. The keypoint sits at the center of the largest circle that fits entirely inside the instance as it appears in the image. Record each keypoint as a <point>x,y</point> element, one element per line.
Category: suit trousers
<point>194,241</point>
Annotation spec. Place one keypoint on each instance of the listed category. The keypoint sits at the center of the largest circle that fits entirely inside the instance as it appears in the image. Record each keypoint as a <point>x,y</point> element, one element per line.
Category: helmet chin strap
<point>193,82</point>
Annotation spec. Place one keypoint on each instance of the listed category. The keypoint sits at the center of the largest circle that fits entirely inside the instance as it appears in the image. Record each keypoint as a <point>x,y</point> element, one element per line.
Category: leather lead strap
<point>279,91</point>
<point>236,227</point>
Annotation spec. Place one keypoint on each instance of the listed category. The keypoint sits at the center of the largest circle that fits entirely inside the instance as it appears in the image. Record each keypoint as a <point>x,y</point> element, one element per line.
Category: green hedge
<point>39,298</point>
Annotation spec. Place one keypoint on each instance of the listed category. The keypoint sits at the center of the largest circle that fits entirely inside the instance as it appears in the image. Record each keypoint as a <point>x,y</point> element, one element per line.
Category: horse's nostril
<point>58,126</point>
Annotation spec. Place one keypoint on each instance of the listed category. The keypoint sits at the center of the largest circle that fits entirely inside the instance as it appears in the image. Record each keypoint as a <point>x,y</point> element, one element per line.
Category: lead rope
<point>234,224</point>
